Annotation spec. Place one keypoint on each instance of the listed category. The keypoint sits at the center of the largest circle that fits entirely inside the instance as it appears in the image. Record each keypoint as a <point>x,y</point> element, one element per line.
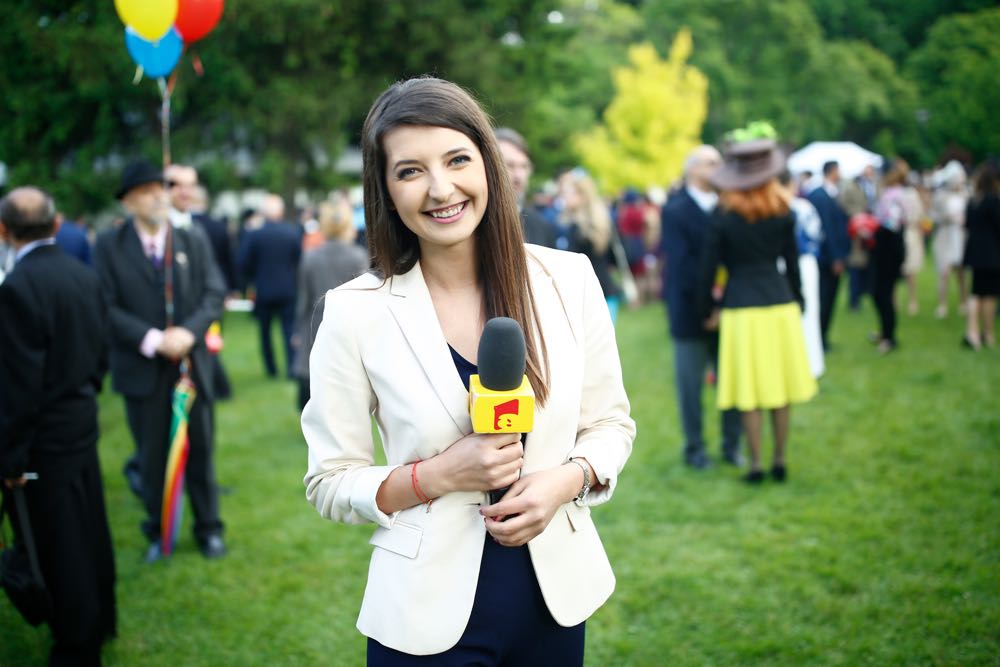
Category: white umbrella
<point>851,158</point>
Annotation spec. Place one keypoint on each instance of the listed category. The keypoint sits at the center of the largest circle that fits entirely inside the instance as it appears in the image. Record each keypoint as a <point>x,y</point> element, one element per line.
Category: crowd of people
<point>748,258</point>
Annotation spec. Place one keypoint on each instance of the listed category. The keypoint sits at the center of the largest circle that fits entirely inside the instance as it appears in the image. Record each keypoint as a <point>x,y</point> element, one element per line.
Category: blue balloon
<point>158,58</point>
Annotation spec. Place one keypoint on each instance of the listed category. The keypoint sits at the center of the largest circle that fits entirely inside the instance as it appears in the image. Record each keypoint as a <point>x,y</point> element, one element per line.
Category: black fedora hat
<point>748,165</point>
<point>138,173</point>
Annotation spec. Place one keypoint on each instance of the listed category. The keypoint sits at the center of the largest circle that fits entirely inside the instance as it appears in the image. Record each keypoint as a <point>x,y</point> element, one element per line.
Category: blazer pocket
<point>403,539</point>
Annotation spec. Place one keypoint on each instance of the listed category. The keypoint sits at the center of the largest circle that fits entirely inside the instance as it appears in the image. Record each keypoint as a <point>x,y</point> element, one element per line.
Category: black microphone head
<point>501,355</point>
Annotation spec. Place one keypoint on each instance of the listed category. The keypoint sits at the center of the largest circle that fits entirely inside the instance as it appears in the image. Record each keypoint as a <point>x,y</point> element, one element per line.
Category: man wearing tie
<point>163,290</point>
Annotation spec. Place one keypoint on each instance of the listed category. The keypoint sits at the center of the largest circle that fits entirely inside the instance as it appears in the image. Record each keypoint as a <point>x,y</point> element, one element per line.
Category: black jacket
<point>982,247</point>
<point>135,296</point>
<point>53,356</point>
<point>684,229</point>
<point>750,253</point>
<point>269,258</point>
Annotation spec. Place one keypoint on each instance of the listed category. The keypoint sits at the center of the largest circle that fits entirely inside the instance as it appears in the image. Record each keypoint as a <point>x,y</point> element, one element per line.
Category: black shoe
<point>779,473</point>
<point>968,344</point>
<point>212,547</point>
<point>153,553</point>
<point>754,477</point>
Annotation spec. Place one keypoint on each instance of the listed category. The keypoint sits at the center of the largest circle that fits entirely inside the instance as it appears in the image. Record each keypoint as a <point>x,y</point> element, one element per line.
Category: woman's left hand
<point>531,502</point>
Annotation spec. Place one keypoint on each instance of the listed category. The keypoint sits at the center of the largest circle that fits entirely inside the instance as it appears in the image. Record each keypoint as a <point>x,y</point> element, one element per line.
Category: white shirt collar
<point>180,219</point>
<point>25,249</point>
<point>831,189</point>
<point>706,201</point>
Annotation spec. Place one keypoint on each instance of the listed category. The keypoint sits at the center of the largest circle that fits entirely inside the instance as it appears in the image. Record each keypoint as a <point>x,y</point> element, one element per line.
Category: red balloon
<point>196,18</point>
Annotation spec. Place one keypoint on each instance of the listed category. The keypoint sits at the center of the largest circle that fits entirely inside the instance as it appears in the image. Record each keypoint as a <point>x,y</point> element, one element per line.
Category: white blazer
<point>380,351</point>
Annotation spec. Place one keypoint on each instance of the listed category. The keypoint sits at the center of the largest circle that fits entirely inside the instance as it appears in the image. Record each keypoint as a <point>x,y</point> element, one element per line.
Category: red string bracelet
<point>421,496</point>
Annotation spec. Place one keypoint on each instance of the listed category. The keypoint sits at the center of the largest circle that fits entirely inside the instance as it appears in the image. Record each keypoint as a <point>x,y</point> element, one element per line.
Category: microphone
<point>501,399</point>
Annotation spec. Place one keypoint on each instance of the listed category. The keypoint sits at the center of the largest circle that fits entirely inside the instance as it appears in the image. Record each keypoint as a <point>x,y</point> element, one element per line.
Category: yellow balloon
<point>151,19</point>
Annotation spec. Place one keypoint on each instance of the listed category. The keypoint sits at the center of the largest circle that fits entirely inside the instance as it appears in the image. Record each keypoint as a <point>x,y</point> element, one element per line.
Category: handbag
<point>20,574</point>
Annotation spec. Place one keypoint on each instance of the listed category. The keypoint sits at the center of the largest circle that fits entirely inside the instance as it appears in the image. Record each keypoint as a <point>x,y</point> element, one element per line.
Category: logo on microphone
<point>499,411</point>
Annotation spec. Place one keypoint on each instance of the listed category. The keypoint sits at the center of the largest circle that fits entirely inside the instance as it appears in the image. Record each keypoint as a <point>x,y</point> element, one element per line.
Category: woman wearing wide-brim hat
<point>762,355</point>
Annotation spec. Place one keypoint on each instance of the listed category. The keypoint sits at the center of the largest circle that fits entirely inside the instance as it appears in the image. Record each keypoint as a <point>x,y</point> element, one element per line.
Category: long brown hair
<point>500,253</point>
<point>766,201</point>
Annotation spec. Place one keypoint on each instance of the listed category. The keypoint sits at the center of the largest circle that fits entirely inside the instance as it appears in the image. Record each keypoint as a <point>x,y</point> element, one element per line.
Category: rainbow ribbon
<point>173,482</point>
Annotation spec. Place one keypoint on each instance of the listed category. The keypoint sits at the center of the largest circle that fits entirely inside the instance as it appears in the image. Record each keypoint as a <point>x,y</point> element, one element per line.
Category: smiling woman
<point>437,182</point>
<point>452,582</point>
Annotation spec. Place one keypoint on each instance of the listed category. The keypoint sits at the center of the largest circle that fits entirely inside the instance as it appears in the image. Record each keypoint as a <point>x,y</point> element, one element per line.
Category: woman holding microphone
<point>451,582</point>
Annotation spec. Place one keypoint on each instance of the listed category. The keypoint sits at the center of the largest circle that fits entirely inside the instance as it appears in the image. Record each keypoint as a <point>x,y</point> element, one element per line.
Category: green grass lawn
<point>882,549</point>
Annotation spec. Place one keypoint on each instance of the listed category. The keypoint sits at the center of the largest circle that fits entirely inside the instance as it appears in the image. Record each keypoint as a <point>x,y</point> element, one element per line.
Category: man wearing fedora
<point>686,218</point>
<point>163,290</point>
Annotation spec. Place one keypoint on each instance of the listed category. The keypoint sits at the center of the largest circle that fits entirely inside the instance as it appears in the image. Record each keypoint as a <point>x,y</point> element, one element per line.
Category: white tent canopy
<point>851,158</point>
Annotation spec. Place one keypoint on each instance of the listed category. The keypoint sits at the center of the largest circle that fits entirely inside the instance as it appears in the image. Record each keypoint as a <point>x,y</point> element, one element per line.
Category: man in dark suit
<point>685,218</point>
<point>518,162</point>
<point>835,247</point>
<point>182,186</point>
<point>163,290</point>
<point>269,258</point>
<point>53,356</point>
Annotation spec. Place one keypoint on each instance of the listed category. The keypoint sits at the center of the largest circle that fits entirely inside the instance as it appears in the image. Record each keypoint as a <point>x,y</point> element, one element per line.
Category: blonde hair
<point>336,219</point>
<point>591,214</point>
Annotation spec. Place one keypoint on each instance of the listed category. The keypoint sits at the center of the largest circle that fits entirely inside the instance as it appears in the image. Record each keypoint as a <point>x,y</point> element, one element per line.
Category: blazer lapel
<point>413,310</point>
<point>132,248</point>
<point>182,272</point>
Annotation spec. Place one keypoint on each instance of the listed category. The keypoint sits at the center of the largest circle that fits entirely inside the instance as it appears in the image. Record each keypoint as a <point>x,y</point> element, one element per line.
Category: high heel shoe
<point>969,344</point>
<point>754,477</point>
<point>779,473</point>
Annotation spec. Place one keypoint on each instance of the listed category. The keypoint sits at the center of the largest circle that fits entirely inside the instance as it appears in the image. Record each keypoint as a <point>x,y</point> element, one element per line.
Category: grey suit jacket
<point>322,269</point>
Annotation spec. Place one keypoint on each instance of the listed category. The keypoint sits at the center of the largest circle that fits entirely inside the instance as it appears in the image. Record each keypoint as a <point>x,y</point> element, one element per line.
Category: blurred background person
<point>72,238</point>
<point>588,223</point>
<point>763,363</point>
<point>982,255</point>
<point>269,259</point>
<point>835,247</point>
<point>914,232</point>
<point>951,196</point>
<point>517,159</point>
<point>808,235</point>
<point>853,198</point>
<point>53,357</point>
<point>686,218</point>
<point>187,205</point>
<point>893,210</point>
<point>335,262</point>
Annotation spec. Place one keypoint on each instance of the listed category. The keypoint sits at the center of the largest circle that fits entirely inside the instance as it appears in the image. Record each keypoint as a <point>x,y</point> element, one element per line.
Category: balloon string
<point>165,120</point>
<point>138,75</point>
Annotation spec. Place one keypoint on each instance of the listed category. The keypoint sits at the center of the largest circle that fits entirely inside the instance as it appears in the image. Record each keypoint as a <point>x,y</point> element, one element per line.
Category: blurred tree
<point>652,123</point>
<point>956,70</point>
<point>770,60</point>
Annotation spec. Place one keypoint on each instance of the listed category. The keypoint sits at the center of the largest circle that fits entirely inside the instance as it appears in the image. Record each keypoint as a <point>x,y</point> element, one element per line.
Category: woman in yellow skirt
<point>762,354</point>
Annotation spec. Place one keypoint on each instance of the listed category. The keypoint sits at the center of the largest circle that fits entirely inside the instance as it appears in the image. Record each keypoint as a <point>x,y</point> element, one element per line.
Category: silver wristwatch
<point>586,480</point>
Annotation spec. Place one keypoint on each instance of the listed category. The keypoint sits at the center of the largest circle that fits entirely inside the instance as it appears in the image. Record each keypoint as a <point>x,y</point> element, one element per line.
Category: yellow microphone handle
<point>501,411</point>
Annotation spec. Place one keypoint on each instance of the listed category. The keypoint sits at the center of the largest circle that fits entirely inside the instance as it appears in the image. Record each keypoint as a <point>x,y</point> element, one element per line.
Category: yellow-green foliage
<point>654,120</point>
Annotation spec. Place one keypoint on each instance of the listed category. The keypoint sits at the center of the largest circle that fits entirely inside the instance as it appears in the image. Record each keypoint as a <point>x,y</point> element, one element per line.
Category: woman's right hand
<point>477,462</point>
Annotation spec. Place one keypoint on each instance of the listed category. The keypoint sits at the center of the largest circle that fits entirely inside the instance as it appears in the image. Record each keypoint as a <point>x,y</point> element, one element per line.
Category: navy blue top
<point>464,367</point>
